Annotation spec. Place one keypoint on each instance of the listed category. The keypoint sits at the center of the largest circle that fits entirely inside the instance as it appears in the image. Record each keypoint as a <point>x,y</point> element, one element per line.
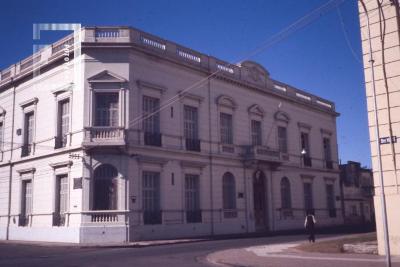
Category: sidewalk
<point>137,244</point>
<point>288,255</point>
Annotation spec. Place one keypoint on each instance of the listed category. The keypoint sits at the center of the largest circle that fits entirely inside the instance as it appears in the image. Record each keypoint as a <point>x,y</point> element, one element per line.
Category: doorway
<point>259,200</point>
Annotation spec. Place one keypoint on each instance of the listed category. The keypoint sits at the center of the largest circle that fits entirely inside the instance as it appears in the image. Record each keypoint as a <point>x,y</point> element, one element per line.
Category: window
<point>327,153</point>
<point>305,146</point>
<point>26,202</point>
<point>151,122</point>
<point>28,134</point>
<point>151,198</point>
<point>226,128</point>
<point>229,195</point>
<point>286,201</point>
<point>330,199</point>
<point>105,187</point>
<point>192,198</point>
<point>282,139</point>
<point>308,198</point>
<point>62,124</point>
<point>106,109</point>
<point>61,199</point>
<point>354,211</point>
<point>191,128</point>
<point>256,133</point>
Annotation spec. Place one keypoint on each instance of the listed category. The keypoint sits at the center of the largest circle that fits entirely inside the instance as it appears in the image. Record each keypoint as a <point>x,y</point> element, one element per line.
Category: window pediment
<point>326,132</point>
<point>226,101</point>
<point>56,165</point>
<point>32,101</point>
<point>282,116</point>
<point>106,77</point>
<point>304,125</point>
<point>256,110</point>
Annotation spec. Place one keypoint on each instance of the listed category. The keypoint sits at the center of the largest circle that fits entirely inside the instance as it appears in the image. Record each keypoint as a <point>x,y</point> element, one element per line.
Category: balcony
<point>104,136</point>
<point>152,139</point>
<point>261,153</point>
<point>104,217</point>
<point>193,145</point>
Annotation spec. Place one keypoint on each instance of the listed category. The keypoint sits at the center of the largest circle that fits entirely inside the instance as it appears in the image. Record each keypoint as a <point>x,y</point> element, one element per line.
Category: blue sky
<point>316,58</point>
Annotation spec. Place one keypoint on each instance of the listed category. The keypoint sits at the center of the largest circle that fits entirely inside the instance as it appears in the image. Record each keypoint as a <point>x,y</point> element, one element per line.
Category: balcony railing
<point>152,139</point>
<point>261,153</point>
<point>307,161</point>
<point>104,136</point>
<point>193,144</point>
<point>111,217</point>
<point>26,150</point>
<point>193,216</point>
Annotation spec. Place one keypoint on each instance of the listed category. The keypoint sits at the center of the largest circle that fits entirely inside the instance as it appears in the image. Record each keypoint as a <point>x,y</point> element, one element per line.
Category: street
<point>184,254</point>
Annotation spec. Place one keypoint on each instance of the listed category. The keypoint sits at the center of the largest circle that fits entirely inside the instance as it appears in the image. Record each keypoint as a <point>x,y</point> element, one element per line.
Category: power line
<point>287,31</point>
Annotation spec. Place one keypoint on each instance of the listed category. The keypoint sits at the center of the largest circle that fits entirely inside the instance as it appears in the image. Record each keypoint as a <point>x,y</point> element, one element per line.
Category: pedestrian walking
<point>309,224</point>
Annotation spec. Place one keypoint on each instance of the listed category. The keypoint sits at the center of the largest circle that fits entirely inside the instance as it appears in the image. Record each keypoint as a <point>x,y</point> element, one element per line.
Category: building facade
<point>357,190</point>
<point>380,25</point>
<point>147,139</point>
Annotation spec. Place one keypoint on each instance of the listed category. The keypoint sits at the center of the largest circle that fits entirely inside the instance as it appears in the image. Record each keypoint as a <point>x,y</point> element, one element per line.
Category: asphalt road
<point>176,255</point>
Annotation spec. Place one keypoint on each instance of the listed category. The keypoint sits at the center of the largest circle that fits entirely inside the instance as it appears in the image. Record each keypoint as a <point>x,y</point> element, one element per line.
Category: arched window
<point>105,187</point>
<point>285,194</point>
<point>229,191</point>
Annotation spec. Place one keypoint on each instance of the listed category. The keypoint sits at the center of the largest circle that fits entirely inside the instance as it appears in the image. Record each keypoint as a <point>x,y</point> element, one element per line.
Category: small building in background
<point>357,191</point>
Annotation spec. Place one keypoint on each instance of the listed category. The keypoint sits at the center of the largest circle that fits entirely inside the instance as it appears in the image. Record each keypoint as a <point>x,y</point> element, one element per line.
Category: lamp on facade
<point>303,152</point>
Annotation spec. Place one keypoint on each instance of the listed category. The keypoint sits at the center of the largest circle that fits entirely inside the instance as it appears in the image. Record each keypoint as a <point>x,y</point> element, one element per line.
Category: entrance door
<point>260,207</point>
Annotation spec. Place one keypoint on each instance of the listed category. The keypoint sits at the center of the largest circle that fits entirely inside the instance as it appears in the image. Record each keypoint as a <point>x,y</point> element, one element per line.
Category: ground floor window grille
<point>192,199</point>
<point>151,198</point>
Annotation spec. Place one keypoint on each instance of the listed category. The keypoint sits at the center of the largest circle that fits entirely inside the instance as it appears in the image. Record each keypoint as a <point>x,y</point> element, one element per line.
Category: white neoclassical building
<point>137,137</point>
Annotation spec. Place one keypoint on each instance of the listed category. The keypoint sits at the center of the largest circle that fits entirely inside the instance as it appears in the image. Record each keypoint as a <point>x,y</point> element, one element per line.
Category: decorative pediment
<point>304,125</point>
<point>62,164</point>
<point>106,77</point>
<point>282,116</point>
<point>326,132</point>
<point>256,72</point>
<point>256,110</point>
<point>226,101</point>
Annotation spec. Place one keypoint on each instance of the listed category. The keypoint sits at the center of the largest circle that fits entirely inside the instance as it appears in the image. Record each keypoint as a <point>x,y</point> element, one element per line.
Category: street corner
<point>250,256</point>
<point>230,257</point>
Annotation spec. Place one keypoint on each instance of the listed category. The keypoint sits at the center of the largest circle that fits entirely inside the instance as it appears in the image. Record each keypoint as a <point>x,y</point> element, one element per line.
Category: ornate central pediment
<point>254,72</point>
